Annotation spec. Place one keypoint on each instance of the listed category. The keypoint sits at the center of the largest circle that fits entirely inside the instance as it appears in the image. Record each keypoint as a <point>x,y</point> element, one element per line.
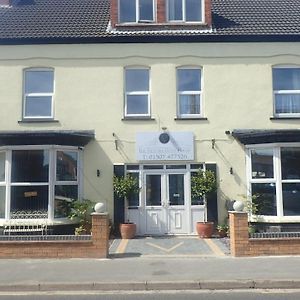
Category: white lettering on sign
<point>164,146</point>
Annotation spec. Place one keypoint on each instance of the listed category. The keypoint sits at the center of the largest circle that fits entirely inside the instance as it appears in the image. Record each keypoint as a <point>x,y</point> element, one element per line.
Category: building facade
<point>155,90</point>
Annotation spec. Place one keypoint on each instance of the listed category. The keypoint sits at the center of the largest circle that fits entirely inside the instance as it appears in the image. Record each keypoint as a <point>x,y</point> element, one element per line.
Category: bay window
<point>38,181</point>
<point>274,180</point>
<point>286,89</point>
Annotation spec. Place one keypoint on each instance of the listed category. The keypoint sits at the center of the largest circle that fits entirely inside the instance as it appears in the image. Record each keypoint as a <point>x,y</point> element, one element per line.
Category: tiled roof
<point>89,19</point>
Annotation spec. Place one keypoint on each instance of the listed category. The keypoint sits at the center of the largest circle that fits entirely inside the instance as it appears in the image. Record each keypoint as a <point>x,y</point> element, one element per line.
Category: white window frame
<point>282,92</point>
<point>179,93</point>
<point>52,182</point>
<point>183,19</point>
<point>277,179</point>
<point>137,13</point>
<point>25,95</point>
<point>137,93</point>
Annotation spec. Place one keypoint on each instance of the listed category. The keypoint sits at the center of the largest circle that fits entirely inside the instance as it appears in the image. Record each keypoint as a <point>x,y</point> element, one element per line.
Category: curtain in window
<point>287,103</point>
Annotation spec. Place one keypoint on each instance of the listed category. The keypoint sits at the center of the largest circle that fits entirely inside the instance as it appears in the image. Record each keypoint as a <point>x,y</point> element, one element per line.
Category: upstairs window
<point>137,94</point>
<point>38,93</point>
<point>286,88</point>
<point>134,11</point>
<point>189,92</point>
<point>185,10</point>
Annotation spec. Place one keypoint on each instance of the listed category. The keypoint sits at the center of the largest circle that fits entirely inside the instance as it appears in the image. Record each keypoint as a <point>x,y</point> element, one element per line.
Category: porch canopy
<point>47,137</point>
<point>264,136</point>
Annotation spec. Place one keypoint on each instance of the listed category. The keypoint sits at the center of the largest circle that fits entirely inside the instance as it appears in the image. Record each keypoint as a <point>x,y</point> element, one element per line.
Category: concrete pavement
<point>150,273</point>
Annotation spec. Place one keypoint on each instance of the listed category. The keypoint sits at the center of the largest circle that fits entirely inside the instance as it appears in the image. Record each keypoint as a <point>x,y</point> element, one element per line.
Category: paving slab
<point>190,246</point>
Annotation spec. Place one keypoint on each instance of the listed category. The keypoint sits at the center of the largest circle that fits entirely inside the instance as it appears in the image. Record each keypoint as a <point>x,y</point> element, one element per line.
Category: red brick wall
<point>241,245</point>
<point>208,14</point>
<point>96,248</point>
<point>113,12</point>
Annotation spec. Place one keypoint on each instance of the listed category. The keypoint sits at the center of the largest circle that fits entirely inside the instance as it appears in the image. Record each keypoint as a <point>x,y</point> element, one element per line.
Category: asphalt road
<point>157,295</point>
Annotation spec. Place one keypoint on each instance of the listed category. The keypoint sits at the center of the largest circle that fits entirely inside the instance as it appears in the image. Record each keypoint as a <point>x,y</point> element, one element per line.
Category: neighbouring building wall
<point>88,95</point>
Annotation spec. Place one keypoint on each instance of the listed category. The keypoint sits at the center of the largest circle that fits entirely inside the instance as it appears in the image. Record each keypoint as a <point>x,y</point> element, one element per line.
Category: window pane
<point>175,10</point>
<point>146,10</point>
<point>193,10</point>
<point>153,190</point>
<point>64,194</point>
<point>29,200</point>
<point>286,78</point>
<point>189,104</point>
<point>137,104</point>
<point>265,198</point>
<point>137,80</point>
<point>134,199</point>
<point>38,106</point>
<point>30,166</point>
<point>196,200</point>
<point>66,166</point>
<point>290,163</point>
<point>262,163</point>
<point>189,79</point>
<point>287,103</point>
<point>39,81</point>
<point>127,11</point>
<point>2,166</point>
<point>2,201</point>
<point>291,199</point>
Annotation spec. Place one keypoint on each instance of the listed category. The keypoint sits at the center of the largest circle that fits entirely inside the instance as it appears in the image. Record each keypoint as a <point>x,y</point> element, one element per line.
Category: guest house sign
<point>164,146</point>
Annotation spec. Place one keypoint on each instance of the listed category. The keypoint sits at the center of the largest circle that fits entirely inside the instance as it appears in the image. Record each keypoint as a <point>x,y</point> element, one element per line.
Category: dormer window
<point>185,10</point>
<point>136,11</point>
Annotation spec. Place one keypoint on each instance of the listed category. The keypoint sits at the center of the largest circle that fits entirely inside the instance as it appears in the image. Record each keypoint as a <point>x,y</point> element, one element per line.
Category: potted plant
<point>80,211</point>
<point>124,187</point>
<point>222,230</point>
<point>202,183</point>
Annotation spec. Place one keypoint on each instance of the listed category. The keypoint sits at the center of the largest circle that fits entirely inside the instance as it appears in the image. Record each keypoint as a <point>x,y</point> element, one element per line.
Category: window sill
<point>138,119</point>
<point>190,119</point>
<point>285,118</point>
<point>38,121</point>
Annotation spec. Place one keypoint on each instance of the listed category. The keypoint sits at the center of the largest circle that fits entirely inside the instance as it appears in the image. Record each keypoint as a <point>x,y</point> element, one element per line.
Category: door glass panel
<point>153,190</point>
<point>176,189</point>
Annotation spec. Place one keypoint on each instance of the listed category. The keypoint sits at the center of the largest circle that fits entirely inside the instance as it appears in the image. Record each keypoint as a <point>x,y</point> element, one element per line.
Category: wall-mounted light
<point>213,142</point>
<point>116,140</point>
<point>98,173</point>
<point>227,132</point>
<point>231,170</point>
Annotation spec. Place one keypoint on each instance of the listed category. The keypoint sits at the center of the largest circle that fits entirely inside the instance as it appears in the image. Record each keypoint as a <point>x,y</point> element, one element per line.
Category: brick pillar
<point>100,232</point>
<point>239,235</point>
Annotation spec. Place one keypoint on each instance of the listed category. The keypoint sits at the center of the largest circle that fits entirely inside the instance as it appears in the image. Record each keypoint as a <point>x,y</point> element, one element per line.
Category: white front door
<point>165,197</point>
